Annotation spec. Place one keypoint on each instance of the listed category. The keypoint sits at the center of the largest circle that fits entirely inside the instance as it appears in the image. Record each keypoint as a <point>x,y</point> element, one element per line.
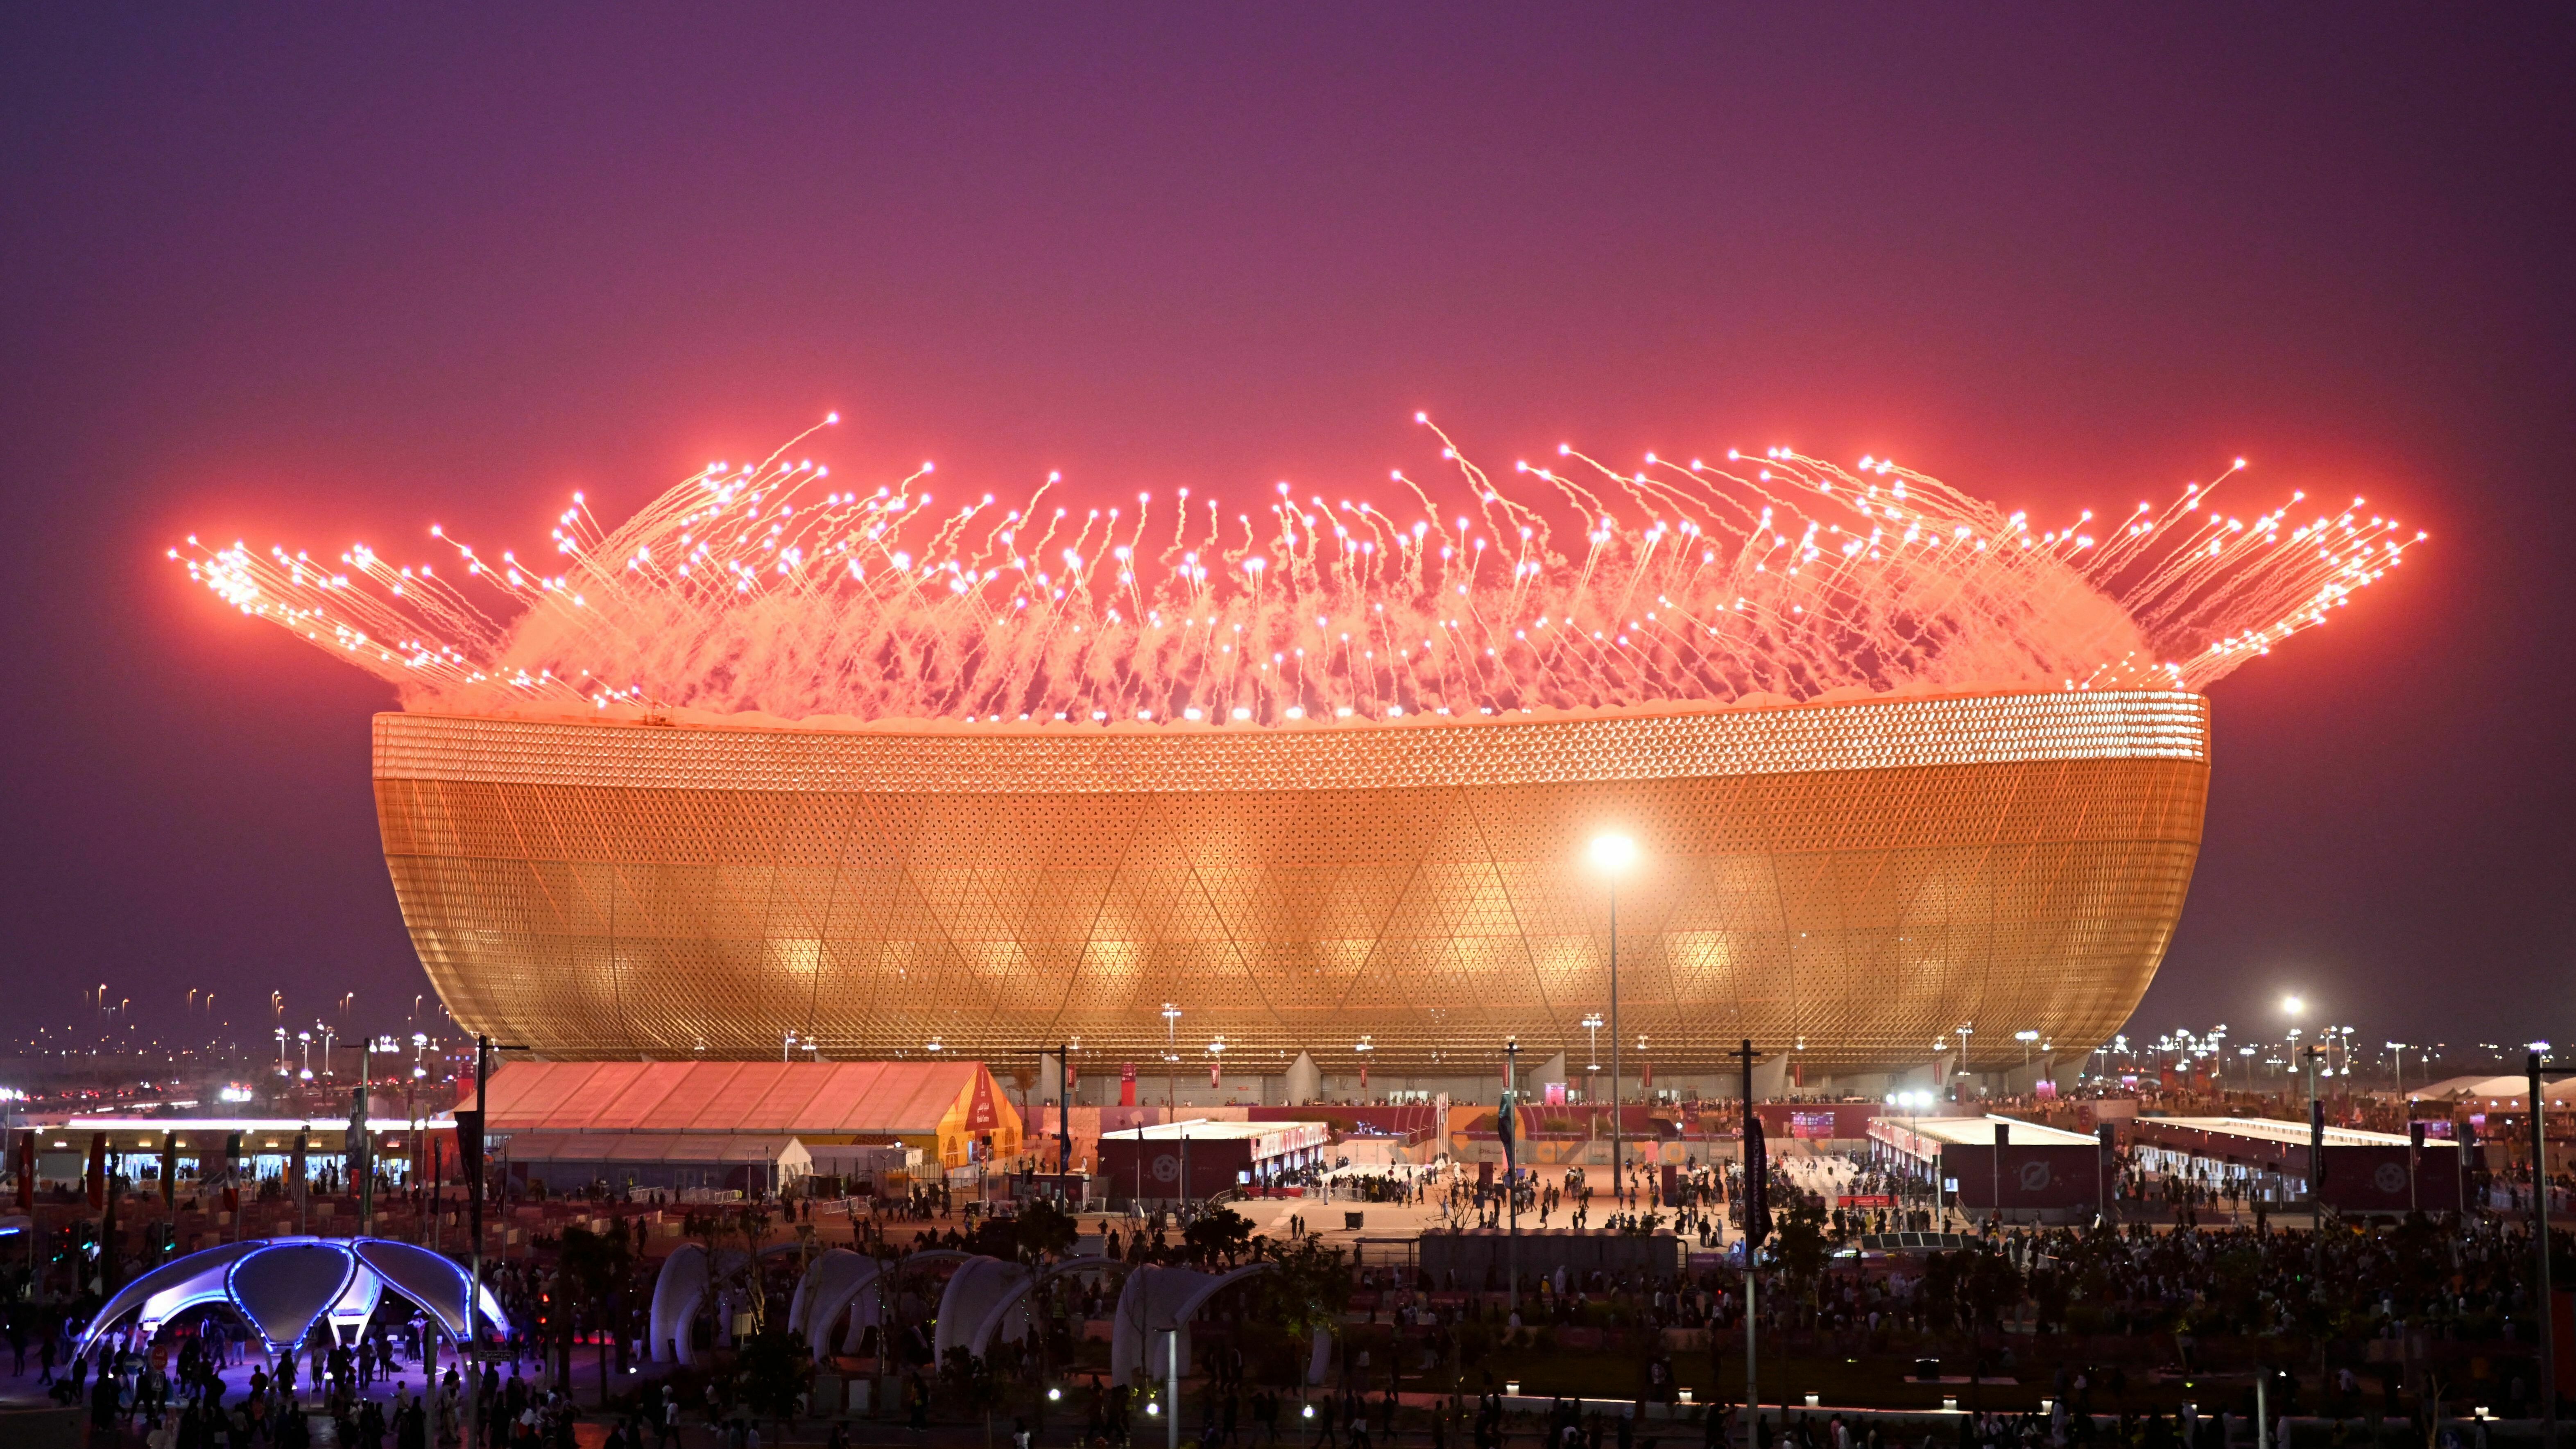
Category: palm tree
<point>591,1276</point>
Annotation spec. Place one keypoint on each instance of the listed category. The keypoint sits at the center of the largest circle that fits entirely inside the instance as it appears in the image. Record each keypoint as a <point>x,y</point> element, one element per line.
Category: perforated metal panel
<point>1861,877</point>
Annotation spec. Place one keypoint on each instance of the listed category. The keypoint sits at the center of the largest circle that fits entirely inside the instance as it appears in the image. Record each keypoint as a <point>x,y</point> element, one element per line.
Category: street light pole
<point>2537,1075</point>
<point>1613,855</point>
<point>469,1151</point>
<point>2292,1006</point>
<point>2316,1177</point>
<point>362,1153</point>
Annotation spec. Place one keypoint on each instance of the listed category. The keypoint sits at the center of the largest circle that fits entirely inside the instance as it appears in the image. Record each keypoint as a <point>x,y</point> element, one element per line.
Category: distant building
<point>1980,1164</point>
<point>2365,1171</point>
<point>198,1147</point>
<point>1150,1163</point>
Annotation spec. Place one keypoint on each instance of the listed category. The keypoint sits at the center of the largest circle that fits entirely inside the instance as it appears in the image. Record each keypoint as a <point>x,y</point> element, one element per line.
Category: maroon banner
<point>2048,1176</point>
<point>2563,1340</point>
<point>2392,1179</point>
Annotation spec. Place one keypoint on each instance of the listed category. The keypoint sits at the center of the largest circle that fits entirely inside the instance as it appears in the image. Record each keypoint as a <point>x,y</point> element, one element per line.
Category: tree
<point>591,1276</point>
<point>1223,1233</point>
<point>1798,1246</point>
<point>1306,1290</point>
<point>1044,1231</point>
<point>971,1380</point>
<point>716,1231</point>
<point>775,1369</point>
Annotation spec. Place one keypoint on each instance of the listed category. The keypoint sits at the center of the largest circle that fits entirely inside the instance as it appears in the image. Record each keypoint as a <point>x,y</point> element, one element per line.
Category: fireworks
<point>771,587</point>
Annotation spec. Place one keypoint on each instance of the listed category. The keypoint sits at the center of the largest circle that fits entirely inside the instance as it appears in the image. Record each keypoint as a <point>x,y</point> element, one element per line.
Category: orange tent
<point>940,1107</point>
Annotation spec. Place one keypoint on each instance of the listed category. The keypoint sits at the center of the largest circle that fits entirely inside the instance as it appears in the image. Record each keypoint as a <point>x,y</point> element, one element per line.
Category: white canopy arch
<point>283,1287</point>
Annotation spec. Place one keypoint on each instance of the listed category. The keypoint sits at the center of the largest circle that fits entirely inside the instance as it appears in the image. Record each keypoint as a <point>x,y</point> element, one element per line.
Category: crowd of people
<point>2032,1292</point>
<point>195,1387</point>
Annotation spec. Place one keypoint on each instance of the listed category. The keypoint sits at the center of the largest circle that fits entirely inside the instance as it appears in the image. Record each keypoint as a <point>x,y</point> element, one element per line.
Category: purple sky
<point>344,274</point>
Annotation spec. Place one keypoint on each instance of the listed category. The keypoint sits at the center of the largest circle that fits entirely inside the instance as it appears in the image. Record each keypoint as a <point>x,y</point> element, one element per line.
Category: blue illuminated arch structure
<point>283,1287</point>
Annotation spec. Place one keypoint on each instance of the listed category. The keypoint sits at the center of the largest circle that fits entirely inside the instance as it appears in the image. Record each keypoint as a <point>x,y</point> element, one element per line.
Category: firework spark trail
<point>765,587</point>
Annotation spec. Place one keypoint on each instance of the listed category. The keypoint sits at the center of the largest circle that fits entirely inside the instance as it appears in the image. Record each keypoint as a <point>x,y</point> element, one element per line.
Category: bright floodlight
<point>2293,1005</point>
<point>1613,854</point>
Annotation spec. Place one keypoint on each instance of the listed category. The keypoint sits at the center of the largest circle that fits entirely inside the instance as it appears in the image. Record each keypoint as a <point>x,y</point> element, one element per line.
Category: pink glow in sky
<point>339,275</point>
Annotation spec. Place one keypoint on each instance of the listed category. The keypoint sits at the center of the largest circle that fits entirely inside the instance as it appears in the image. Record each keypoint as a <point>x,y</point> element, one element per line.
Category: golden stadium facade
<point>1856,879</point>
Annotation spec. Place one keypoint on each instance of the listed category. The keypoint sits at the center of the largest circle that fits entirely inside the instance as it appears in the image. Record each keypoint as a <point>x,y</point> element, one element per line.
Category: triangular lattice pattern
<point>613,891</point>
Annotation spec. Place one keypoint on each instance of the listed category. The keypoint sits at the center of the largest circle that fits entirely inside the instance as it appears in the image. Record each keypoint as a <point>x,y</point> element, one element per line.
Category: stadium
<point>1852,881</point>
<point>783,766</point>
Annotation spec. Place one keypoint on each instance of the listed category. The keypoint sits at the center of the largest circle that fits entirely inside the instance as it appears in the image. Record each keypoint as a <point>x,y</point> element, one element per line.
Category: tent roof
<point>2497,1089</point>
<point>2277,1132</point>
<point>1980,1131</point>
<point>794,1098</point>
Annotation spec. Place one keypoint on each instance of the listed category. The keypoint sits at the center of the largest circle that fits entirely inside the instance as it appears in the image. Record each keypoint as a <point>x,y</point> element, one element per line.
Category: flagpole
<point>1756,1227</point>
<point>469,1156</point>
<point>1511,1160</point>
